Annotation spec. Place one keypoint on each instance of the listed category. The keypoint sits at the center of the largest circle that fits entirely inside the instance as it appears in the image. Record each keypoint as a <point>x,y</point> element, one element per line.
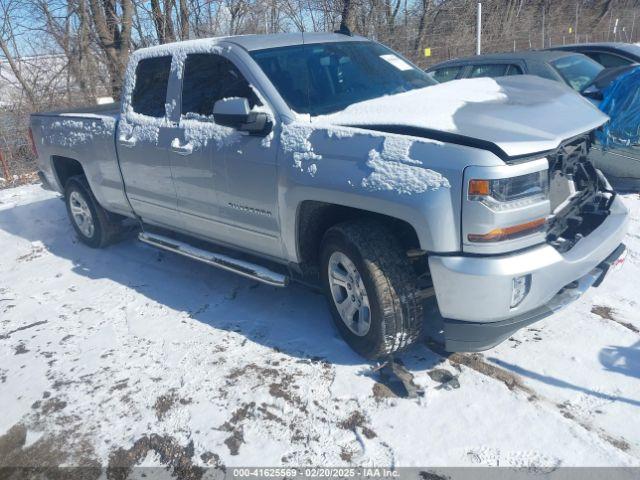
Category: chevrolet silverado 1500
<point>331,160</point>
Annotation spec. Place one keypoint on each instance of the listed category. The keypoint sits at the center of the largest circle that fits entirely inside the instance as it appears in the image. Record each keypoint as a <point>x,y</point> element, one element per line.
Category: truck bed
<point>111,110</point>
<point>85,135</point>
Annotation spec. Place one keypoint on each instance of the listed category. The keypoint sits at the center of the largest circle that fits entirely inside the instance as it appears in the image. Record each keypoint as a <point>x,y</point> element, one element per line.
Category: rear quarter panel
<point>89,140</point>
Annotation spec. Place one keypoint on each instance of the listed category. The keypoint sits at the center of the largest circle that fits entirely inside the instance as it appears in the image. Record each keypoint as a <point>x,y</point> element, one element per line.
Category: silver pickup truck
<point>330,160</point>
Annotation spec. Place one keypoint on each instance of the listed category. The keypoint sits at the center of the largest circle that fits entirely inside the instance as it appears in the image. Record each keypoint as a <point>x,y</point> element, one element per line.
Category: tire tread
<point>394,279</point>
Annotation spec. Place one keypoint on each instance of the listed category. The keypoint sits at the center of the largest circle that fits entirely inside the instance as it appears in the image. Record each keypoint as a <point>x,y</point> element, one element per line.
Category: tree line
<point>91,39</point>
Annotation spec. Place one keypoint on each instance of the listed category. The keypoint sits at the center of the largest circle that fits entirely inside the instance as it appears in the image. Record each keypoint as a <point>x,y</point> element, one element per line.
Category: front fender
<point>415,180</point>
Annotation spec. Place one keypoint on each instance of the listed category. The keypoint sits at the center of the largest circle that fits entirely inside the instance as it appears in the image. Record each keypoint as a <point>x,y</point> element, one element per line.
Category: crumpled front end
<point>485,298</point>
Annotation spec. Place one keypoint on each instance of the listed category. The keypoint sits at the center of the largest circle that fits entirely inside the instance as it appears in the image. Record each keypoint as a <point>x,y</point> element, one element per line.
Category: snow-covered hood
<point>521,115</point>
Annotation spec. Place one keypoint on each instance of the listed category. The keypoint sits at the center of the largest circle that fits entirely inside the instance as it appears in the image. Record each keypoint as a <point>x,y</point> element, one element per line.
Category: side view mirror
<point>234,112</point>
<point>231,112</point>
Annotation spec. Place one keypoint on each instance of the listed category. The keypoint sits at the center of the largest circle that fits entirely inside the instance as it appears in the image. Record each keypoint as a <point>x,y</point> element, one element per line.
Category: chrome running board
<point>241,267</point>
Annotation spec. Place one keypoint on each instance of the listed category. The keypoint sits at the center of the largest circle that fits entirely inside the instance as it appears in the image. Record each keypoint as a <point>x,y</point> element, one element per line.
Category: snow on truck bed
<point>119,356</point>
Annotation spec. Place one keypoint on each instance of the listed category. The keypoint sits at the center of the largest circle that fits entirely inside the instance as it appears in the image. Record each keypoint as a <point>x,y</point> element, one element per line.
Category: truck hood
<point>520,115</point>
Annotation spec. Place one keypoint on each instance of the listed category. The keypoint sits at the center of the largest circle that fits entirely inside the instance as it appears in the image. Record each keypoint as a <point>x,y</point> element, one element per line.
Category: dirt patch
<point>346,454</point>
<point>357,420</point>
<point>234,441</point>
<point>166,402</point>
<point>282,384</point>
<point>619,443</point>
<point>36,252</point>
<point>178,459</point>
<point>234,425</point>
<point>20,349</point>
<point>381,391</point>
<point>564,410</point>
<point>212,460</point>
<point>607,313</point>
<point>283,389</point>
<point>268,415</point>
<point>31,325</point>
<point>120,385</point>
<point>252,368</point>
<point>603,312</point>
<point>475,361</point>
<point>13,439</point>
<point>43,459</point>
<point>49,406</point>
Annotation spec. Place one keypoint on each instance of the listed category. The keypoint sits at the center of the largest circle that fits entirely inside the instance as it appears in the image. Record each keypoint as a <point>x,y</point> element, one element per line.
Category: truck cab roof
<point>260,42</point>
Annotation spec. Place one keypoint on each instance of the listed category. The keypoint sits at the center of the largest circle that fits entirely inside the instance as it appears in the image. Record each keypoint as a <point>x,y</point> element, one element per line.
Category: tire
<point>104,230</point>
<point>386,277</point>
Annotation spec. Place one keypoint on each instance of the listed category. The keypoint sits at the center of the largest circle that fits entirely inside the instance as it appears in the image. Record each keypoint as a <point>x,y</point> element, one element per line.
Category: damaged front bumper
<point>474,293</point>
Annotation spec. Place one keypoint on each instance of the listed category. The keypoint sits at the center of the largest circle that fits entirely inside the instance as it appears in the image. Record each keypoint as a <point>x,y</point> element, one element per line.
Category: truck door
<point>143,138</point>
<point>226,180</point>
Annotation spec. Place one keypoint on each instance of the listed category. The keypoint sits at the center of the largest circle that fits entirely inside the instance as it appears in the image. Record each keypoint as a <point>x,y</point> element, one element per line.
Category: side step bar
<point>241,267</point>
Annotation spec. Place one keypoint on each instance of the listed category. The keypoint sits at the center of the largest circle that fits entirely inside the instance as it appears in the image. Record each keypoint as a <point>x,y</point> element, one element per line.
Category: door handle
<point>128,142</point>
<point>186,149</point>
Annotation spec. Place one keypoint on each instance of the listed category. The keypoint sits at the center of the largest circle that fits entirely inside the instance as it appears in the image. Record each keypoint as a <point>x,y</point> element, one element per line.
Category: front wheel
<point>371,288</point>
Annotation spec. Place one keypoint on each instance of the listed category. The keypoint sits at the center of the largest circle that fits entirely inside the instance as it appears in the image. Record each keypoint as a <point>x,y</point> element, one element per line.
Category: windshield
<point>577,70</point>
<point>323,78</point>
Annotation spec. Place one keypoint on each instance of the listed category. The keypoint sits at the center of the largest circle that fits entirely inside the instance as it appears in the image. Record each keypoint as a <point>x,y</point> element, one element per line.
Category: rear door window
<point>150,91</point>
<point>208,78</point>
<point>489,70</point>
<point>577,70</point>
<point>608,60</point>
<point>514,70</point>
<point>446,74</point>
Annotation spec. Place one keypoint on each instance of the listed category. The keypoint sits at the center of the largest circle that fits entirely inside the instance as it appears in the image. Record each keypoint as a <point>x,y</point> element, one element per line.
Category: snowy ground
<point>132,356</point>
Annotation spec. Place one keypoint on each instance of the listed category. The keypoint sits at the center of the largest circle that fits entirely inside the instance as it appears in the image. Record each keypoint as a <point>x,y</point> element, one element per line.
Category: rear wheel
<point>90,221</point>
<point>371,288</point>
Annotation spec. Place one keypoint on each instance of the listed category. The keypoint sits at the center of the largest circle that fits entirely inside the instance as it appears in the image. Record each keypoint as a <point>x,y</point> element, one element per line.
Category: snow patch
<point>71,133</point>
<point>200,133</point>
<point>428,107</point>
<point>266,141</point>
<point>84,317</point>
<point>344,132</point>
<point>296,140</point>
<point>395,170</point>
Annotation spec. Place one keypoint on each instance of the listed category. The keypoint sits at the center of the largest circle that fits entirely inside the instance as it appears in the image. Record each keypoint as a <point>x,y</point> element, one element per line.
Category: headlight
<point>515,200</point>
<point>510,193</point>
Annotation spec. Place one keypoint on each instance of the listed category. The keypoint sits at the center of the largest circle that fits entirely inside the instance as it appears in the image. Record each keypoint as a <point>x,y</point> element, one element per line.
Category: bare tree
<point>113,22</point>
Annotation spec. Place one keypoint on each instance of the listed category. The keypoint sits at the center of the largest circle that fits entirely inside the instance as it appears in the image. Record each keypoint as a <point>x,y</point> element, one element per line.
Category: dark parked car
<point>607,54</point>
<point>586,76</point>
<point>577,71</point>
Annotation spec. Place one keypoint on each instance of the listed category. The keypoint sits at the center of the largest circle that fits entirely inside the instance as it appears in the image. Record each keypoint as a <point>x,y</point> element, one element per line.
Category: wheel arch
<point>314,218</point>
<point>64,168</point>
